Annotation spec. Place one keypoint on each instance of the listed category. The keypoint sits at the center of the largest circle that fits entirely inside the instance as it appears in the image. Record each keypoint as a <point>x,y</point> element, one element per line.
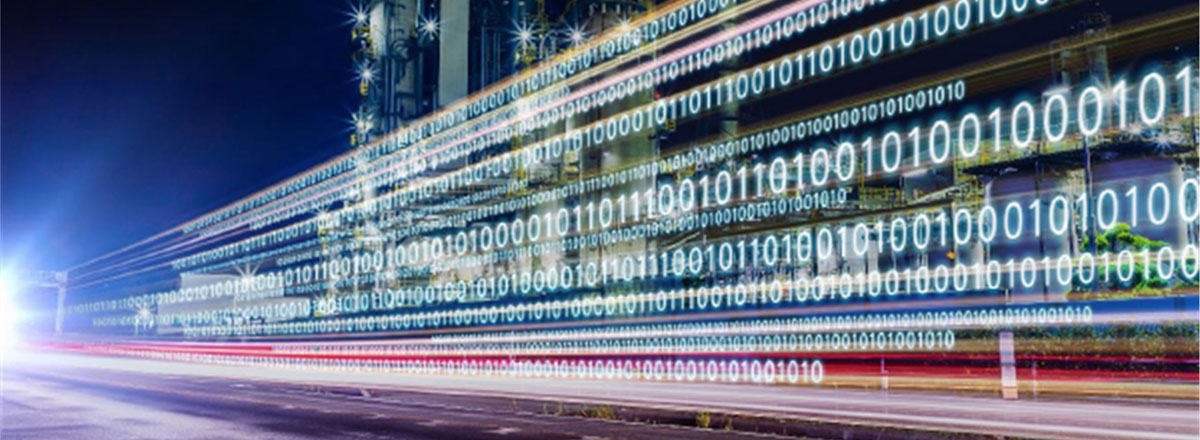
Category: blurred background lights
<point>8,311</point>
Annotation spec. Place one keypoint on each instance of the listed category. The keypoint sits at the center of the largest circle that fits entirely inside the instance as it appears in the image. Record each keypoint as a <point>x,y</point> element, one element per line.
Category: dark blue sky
<point>120,119</point>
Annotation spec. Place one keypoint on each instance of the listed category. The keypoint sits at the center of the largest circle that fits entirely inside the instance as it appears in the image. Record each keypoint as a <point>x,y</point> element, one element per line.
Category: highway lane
<point>84,403</point>
<point>918,412</point>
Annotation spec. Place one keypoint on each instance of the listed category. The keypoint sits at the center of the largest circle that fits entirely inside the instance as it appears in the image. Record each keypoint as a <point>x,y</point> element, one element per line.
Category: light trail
<point>1024,234</point>
<point>1047,417</point>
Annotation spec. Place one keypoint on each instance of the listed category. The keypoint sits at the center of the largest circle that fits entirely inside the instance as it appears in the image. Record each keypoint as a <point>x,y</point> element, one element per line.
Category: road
<point>51,395</point>
<point>77,403</point>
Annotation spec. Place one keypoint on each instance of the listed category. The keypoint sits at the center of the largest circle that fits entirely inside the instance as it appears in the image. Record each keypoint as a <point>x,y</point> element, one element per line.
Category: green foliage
<point>1118,238</point>
<point>603,412</point>
<point>1142,341</point>
<point>703,420</point>
<point>1121,237</point>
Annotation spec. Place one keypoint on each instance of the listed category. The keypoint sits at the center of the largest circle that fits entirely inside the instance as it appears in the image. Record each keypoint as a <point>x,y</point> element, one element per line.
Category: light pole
<point>42,279</point>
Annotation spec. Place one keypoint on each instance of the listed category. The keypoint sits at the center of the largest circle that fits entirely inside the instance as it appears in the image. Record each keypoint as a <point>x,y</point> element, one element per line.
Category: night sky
<point>121,119</point>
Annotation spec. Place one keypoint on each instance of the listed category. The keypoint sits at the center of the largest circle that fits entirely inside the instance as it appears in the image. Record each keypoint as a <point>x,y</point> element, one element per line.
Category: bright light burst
<point>428,26</point>
<point>524,34</point>
<point>1163,142</point>
<point>576,35</point>
<point>624,24</point>
<point>366,72</point>
<point>358,14</point>
<point>362,122</point>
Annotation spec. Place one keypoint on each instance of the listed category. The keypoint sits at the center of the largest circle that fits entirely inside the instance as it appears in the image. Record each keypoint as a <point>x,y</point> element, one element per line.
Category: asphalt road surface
<point>73,396</point>
<point>73,403</point>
